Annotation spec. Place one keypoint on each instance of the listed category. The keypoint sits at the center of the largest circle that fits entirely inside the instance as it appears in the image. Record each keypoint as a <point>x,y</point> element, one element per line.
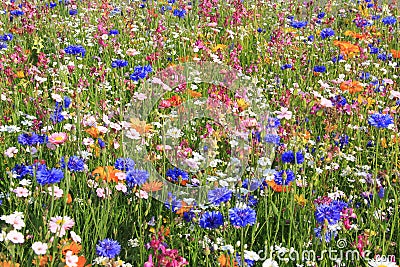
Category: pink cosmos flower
<point>11,152</point>
<point>58,192</point>
<point>15,237</point>
<point>21,192</point>
<point>326,103</point>
<point>71,260</point>
<point>284,113</point>
<point>58,138</point>
<point>121,187</point>
<point>59,225</point>
<point>40,248</point>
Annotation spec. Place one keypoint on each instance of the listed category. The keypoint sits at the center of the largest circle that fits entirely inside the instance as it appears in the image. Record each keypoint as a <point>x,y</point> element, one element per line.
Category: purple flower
<point>108,248</point>
<point>219,195</point>
<point>211,220</point>
<point>241,217</point>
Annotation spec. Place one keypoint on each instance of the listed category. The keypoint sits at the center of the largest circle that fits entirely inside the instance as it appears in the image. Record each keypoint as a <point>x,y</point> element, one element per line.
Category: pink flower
<point>100,192</point>
<point>395,94</point>
<point>149,262</point>
<point>40,248</point>
<point>121,187</point>
<point>58,138</point>
<point>21,192</point>
<point>11,152</point>
<point>58,192</point>
<point>326,103</point>
<point>71,260</point>
<point>75,237</point>
<point>58,225</point>
<point>284,113</point>
<point>15,237</point>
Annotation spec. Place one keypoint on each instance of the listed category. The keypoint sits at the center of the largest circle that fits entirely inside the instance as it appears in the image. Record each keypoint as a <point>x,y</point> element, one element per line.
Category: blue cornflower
<point>390,20</point>
<point>338,58</point>
<point>179,13</point>
<point>113,32</point>
<point>288,157</point>
<point>124,164</point>
<point>373,50</point>
<point>286,66</point>
<point>241,217</point>
<point>284,177</point>
<point>379,120</point>
<point>140,72</point>
<point>250,200</point>
<point>75,50</point>
<point>298,24</point>
<point>321,15</point>
<point>211,220</point>
<point>31,139</point>
<point>188,216</point>
<point>76,164</point>
<point>381,192</point>
<point>326,33</point>
<point>172,203</point>
<point>327,212</point>
<point>311,38</point>
<point>383,56</point>
<point>3,46</point>
<point>119,63</point>
<point>52,5</point>
<point>320,69</point>
<point>67,101</point>
<point>375,17</point>
<point>56,116</point>
<point>328,234</point>
<point>177,174</point>
<point>219,195</point>
<point>165,8</point>
<point>22,170</point>
<point>252,184</point>
<point>17,13</point>
<point>299,157</point>
<point>136,177</point>
<point>272,138</point>
<point>108,248</point>
<point>73,12</point>
<point>101,143</point>
<point>365,75</point>
<point>261,30</point>
<point>45,176</point>
<point>6,37</point>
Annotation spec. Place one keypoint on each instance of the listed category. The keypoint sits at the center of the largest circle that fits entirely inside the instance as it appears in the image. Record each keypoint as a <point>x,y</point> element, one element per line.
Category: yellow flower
<point>300,200</point>
<point>242,104</point>
<point>20,74</point>
<point>219,47</point>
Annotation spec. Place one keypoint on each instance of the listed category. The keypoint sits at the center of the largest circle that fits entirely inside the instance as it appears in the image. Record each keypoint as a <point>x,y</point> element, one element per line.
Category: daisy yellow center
<point>382,265</point>
<point>59,138</point>
<point>60,222</point>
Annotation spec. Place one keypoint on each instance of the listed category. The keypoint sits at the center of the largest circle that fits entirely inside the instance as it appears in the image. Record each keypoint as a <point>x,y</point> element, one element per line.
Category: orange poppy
<point>225,261</point>
<point>141,126</point>
<point>107,174</point>
<point>351,86</point>
<point>355,35</point>
<point>278,188</point>
<point>152,186</point>
<point>184,208</point>
<point>93,131</point>
<point>9,264</point>
<point>193,94</point>
<point>175,100</point>
<point>73,246</point>
<point>69,199</point>
<point>43,260</point>
<point>395,53</point>
<point>347,48</point>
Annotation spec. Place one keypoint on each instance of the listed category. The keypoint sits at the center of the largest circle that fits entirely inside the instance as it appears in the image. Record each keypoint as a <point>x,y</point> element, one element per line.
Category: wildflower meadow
<point>169,133</point>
